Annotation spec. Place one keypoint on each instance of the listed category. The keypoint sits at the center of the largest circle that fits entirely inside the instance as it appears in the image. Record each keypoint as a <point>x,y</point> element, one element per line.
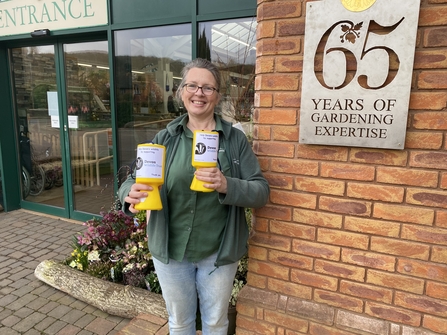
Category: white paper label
<point>206,148</point>
<point>149,162</point>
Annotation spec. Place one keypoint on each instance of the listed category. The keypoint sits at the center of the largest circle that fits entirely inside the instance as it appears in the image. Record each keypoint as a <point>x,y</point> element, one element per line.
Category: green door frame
<point>8,158</point>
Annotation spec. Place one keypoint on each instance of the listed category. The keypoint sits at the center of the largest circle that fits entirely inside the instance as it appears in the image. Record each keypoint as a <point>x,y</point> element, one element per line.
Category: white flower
<point>93,256</point>
<point>128,267</point>
<point>72,264</point>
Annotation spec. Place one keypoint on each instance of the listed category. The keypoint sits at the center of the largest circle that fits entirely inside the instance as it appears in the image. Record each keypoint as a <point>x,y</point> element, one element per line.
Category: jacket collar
<point>175,127</point>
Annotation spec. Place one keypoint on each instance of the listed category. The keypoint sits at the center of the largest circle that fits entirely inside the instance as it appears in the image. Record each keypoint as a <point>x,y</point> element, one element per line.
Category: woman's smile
<point>198,104</point>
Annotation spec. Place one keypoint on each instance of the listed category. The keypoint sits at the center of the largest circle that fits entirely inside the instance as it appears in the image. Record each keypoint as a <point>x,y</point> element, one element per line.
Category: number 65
<point>350,33</point>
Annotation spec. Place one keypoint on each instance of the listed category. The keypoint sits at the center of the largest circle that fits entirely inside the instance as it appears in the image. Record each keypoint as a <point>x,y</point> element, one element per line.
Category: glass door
<point>64,130</point>
<point>34,78</point>
<point>89,125</point>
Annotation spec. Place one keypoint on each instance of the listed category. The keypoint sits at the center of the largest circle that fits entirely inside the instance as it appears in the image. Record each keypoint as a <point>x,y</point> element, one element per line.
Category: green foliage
<point>153,283</point>
<point>239,280</point>
<point>78,259</point>
<point>99,270</point>
<point>241,274</point>
<point>141,216</point>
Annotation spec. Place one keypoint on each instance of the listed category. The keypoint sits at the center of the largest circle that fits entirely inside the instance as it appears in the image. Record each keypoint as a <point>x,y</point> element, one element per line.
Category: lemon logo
<point>357,5</point>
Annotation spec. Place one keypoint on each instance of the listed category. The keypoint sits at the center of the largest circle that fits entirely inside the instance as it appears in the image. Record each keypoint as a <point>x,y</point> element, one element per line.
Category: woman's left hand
<point>213,179</point>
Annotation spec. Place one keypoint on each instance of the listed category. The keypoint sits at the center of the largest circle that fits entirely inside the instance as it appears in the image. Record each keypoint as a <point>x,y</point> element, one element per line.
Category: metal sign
<point>358,65</point>
<point>26,16</point>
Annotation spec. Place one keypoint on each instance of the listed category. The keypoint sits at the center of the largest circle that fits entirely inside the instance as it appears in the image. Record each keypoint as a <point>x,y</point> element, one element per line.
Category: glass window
<point>148,64</point>
<point>232,45</point>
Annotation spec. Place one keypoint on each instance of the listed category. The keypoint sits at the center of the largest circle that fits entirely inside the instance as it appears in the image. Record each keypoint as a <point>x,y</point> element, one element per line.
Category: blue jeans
<point>182,282</point>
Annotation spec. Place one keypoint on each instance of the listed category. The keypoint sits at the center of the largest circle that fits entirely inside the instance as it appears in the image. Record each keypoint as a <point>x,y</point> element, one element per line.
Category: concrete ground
<point>31,307</point>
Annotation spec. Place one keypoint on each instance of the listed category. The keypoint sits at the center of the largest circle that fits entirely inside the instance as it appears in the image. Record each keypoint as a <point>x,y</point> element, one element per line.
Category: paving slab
<point>29,306</point>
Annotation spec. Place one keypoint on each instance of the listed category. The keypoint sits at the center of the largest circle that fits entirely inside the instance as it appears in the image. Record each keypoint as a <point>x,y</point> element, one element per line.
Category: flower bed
<point>114,248</point>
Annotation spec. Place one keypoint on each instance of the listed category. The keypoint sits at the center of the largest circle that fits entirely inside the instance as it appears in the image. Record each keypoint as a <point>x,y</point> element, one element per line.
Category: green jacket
<point>247,188</point>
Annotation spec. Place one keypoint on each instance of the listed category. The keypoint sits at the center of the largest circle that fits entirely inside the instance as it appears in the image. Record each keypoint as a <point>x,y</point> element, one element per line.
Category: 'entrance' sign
<point>25,16</point>
<point>358,65</point>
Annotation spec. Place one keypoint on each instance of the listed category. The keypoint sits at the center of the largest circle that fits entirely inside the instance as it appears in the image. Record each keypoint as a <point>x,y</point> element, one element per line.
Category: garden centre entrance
<point>61,98</point>
<point>78,101</point>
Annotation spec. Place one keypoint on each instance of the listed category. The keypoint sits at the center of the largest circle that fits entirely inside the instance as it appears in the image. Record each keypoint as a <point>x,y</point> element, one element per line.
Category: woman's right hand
<point>137,191</point>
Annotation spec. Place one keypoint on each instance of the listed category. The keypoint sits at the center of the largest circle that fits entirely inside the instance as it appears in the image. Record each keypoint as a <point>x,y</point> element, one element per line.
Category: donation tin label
<point>206,147</point>
<point>149,162</point>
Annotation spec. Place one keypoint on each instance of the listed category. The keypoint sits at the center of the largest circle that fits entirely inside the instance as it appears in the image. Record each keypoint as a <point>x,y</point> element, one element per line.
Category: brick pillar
<point>353,240</point>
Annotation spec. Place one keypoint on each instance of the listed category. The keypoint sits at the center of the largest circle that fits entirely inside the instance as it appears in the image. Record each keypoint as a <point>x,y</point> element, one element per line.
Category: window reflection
<point>90,124</point>
<point>148,66</point>
<point>34,77</point>
<point>232,45</point>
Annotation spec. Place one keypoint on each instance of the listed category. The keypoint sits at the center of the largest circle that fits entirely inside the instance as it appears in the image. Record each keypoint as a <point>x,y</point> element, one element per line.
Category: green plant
<point>99,270</point>
<point>79,258</point>
<point>241,274</point>
<point>152,282</point>
<point>239,280</point>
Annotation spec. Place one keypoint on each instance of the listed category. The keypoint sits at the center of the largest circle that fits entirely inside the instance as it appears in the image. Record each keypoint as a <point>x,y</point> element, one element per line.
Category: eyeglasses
<point>206,90</point>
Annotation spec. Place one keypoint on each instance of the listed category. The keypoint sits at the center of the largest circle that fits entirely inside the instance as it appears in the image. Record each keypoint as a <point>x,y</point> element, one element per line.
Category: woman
<point>197,239</point>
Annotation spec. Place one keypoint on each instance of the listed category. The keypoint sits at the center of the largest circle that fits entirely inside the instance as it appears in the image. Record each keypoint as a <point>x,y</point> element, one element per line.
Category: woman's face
<point>198,104</point>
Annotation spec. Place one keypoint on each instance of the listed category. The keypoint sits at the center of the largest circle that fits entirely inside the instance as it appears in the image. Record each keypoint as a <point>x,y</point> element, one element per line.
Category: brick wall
<point>354,240</point>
